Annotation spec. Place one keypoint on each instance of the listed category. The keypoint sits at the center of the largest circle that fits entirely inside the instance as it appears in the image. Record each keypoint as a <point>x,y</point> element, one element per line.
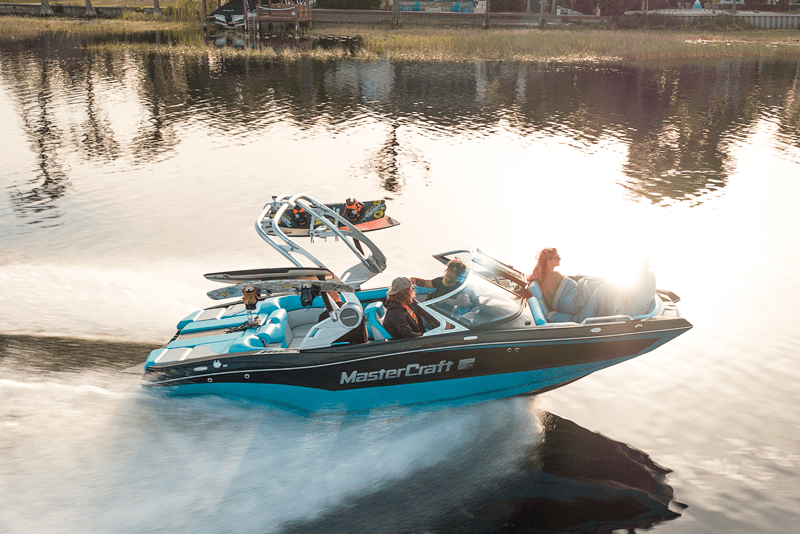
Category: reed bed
<point>25,27</point>
<point>582,45</point>
<point>567,45</point>
<point>265,53</point>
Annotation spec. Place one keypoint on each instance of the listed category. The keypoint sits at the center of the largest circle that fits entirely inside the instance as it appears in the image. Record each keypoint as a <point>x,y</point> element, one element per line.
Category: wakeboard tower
<point>301,216</point>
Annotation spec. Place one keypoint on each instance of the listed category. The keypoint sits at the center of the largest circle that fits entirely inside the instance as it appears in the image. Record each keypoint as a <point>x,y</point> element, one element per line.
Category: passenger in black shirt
<point>453,276</point>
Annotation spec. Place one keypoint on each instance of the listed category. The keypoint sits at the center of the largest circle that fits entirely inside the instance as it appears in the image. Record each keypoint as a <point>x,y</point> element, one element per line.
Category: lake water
<point>127,176</point>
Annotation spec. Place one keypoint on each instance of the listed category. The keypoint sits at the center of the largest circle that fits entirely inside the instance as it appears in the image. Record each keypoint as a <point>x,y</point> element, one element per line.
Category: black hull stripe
<point>581,339</point>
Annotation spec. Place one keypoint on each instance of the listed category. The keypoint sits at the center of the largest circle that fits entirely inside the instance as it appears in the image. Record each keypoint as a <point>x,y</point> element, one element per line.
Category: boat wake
<point>91,452</point>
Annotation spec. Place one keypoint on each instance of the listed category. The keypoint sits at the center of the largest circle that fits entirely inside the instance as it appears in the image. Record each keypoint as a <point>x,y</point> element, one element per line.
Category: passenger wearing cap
<point>403,318</point>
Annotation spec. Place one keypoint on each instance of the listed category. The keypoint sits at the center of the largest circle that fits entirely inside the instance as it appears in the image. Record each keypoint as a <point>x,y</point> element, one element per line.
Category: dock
<point>296,15</point>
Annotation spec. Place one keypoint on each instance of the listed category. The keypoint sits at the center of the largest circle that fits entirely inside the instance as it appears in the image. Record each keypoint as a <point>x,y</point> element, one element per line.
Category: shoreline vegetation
<point>567,44</point>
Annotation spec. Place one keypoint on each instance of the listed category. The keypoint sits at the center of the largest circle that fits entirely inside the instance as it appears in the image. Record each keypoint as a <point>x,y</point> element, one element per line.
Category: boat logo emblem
<point>468,363</point>
<point>217,364</point>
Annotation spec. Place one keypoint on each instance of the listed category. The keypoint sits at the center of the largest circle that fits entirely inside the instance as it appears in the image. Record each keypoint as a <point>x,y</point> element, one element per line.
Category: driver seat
<point>375,313</point>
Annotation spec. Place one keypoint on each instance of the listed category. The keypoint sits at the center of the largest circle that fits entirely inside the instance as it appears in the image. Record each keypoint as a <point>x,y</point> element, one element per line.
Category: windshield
<point>499,273</point>
<point>476,301</point>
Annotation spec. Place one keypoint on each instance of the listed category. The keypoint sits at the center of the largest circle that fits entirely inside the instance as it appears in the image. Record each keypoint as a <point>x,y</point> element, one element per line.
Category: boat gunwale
<point>483,344</point>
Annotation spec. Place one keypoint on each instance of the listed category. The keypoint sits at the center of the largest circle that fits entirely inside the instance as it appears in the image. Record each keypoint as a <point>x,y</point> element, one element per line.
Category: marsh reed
<point>427,43</point>
<point>24,27</point>
<point>569,45</point>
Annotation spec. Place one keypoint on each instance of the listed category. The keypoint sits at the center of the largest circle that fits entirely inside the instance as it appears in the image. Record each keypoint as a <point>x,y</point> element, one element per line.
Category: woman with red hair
<point>545,274</point>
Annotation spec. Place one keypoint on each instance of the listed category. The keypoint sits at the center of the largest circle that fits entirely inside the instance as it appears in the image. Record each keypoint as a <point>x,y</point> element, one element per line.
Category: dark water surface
<point>126,176</point>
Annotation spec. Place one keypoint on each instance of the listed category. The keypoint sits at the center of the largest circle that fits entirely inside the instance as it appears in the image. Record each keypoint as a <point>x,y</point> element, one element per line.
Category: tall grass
<point>24,27</point>
<point>442,44</point>
<point>172,10</point>
<point>573,46</point>
<point>183,10</point>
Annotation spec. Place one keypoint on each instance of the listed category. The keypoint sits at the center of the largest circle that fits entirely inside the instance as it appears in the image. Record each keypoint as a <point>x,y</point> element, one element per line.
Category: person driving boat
<point>453,275</point>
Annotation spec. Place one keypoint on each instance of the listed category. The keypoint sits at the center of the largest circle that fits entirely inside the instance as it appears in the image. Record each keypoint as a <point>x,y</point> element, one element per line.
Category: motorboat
<point>283,335</point>
<point>230,16</point>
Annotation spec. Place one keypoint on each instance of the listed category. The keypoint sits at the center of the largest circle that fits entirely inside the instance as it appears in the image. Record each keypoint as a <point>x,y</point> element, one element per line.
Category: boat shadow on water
<point>571,480</point>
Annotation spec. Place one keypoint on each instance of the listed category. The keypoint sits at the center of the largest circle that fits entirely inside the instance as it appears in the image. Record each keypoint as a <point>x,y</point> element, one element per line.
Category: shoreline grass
<point>569,46</point>
<point>26,27</point>
<point>425,43</point>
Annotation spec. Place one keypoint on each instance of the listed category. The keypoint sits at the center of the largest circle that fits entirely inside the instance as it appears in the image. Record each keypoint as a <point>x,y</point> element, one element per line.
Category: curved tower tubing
<point>325,223</point>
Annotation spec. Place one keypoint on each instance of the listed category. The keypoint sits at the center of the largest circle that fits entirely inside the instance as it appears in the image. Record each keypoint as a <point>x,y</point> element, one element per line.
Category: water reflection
<point>391,163</point>
<point>386,163</point>
<point>162,90</point>
<point>572,480</point>
<point>788,109</point>
<point>678,125</point>
<point>97,133</point>
<point>35,201</point>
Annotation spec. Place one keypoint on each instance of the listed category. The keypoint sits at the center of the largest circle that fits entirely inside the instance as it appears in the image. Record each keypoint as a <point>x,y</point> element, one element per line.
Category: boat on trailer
<point>284,335</point>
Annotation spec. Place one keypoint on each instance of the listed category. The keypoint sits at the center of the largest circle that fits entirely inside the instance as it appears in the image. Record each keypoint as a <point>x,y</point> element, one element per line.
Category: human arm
<point>421,282</point>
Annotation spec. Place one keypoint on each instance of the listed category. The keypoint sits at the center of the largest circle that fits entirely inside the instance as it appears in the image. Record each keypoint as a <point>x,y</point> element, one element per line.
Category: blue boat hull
<point>449,393</point>
<point>447,375</point>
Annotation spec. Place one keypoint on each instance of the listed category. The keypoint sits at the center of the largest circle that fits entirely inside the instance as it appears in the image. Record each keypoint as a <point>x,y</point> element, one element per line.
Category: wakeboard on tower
<point>273,273</point>
<point>365,216</point>
<point>278,286</point>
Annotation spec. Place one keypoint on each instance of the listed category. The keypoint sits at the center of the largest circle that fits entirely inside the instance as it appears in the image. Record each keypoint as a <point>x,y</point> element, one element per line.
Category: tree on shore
<point>156,8</point>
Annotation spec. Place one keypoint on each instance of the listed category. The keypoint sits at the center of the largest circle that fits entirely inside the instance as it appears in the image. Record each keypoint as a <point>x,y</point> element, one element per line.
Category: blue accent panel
<point>372,294</point>
<point>537,305</point>
<point>151,358</point>
<point>274,330</point>
<point>188,319</point>
<point>263,309</point>
<point>248,343</point>
<point>292,302</point>
<point>653,311</point>
<point>194,341</point>
<point>375,313</point>
<point>455,392</point>
<point>536,311</point>
<point>211,324</point>
<point>535,290</point>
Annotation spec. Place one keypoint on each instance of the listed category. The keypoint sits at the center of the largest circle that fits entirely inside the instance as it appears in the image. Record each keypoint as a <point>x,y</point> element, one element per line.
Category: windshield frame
<point>491,269</point>
<point>479,308</point>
